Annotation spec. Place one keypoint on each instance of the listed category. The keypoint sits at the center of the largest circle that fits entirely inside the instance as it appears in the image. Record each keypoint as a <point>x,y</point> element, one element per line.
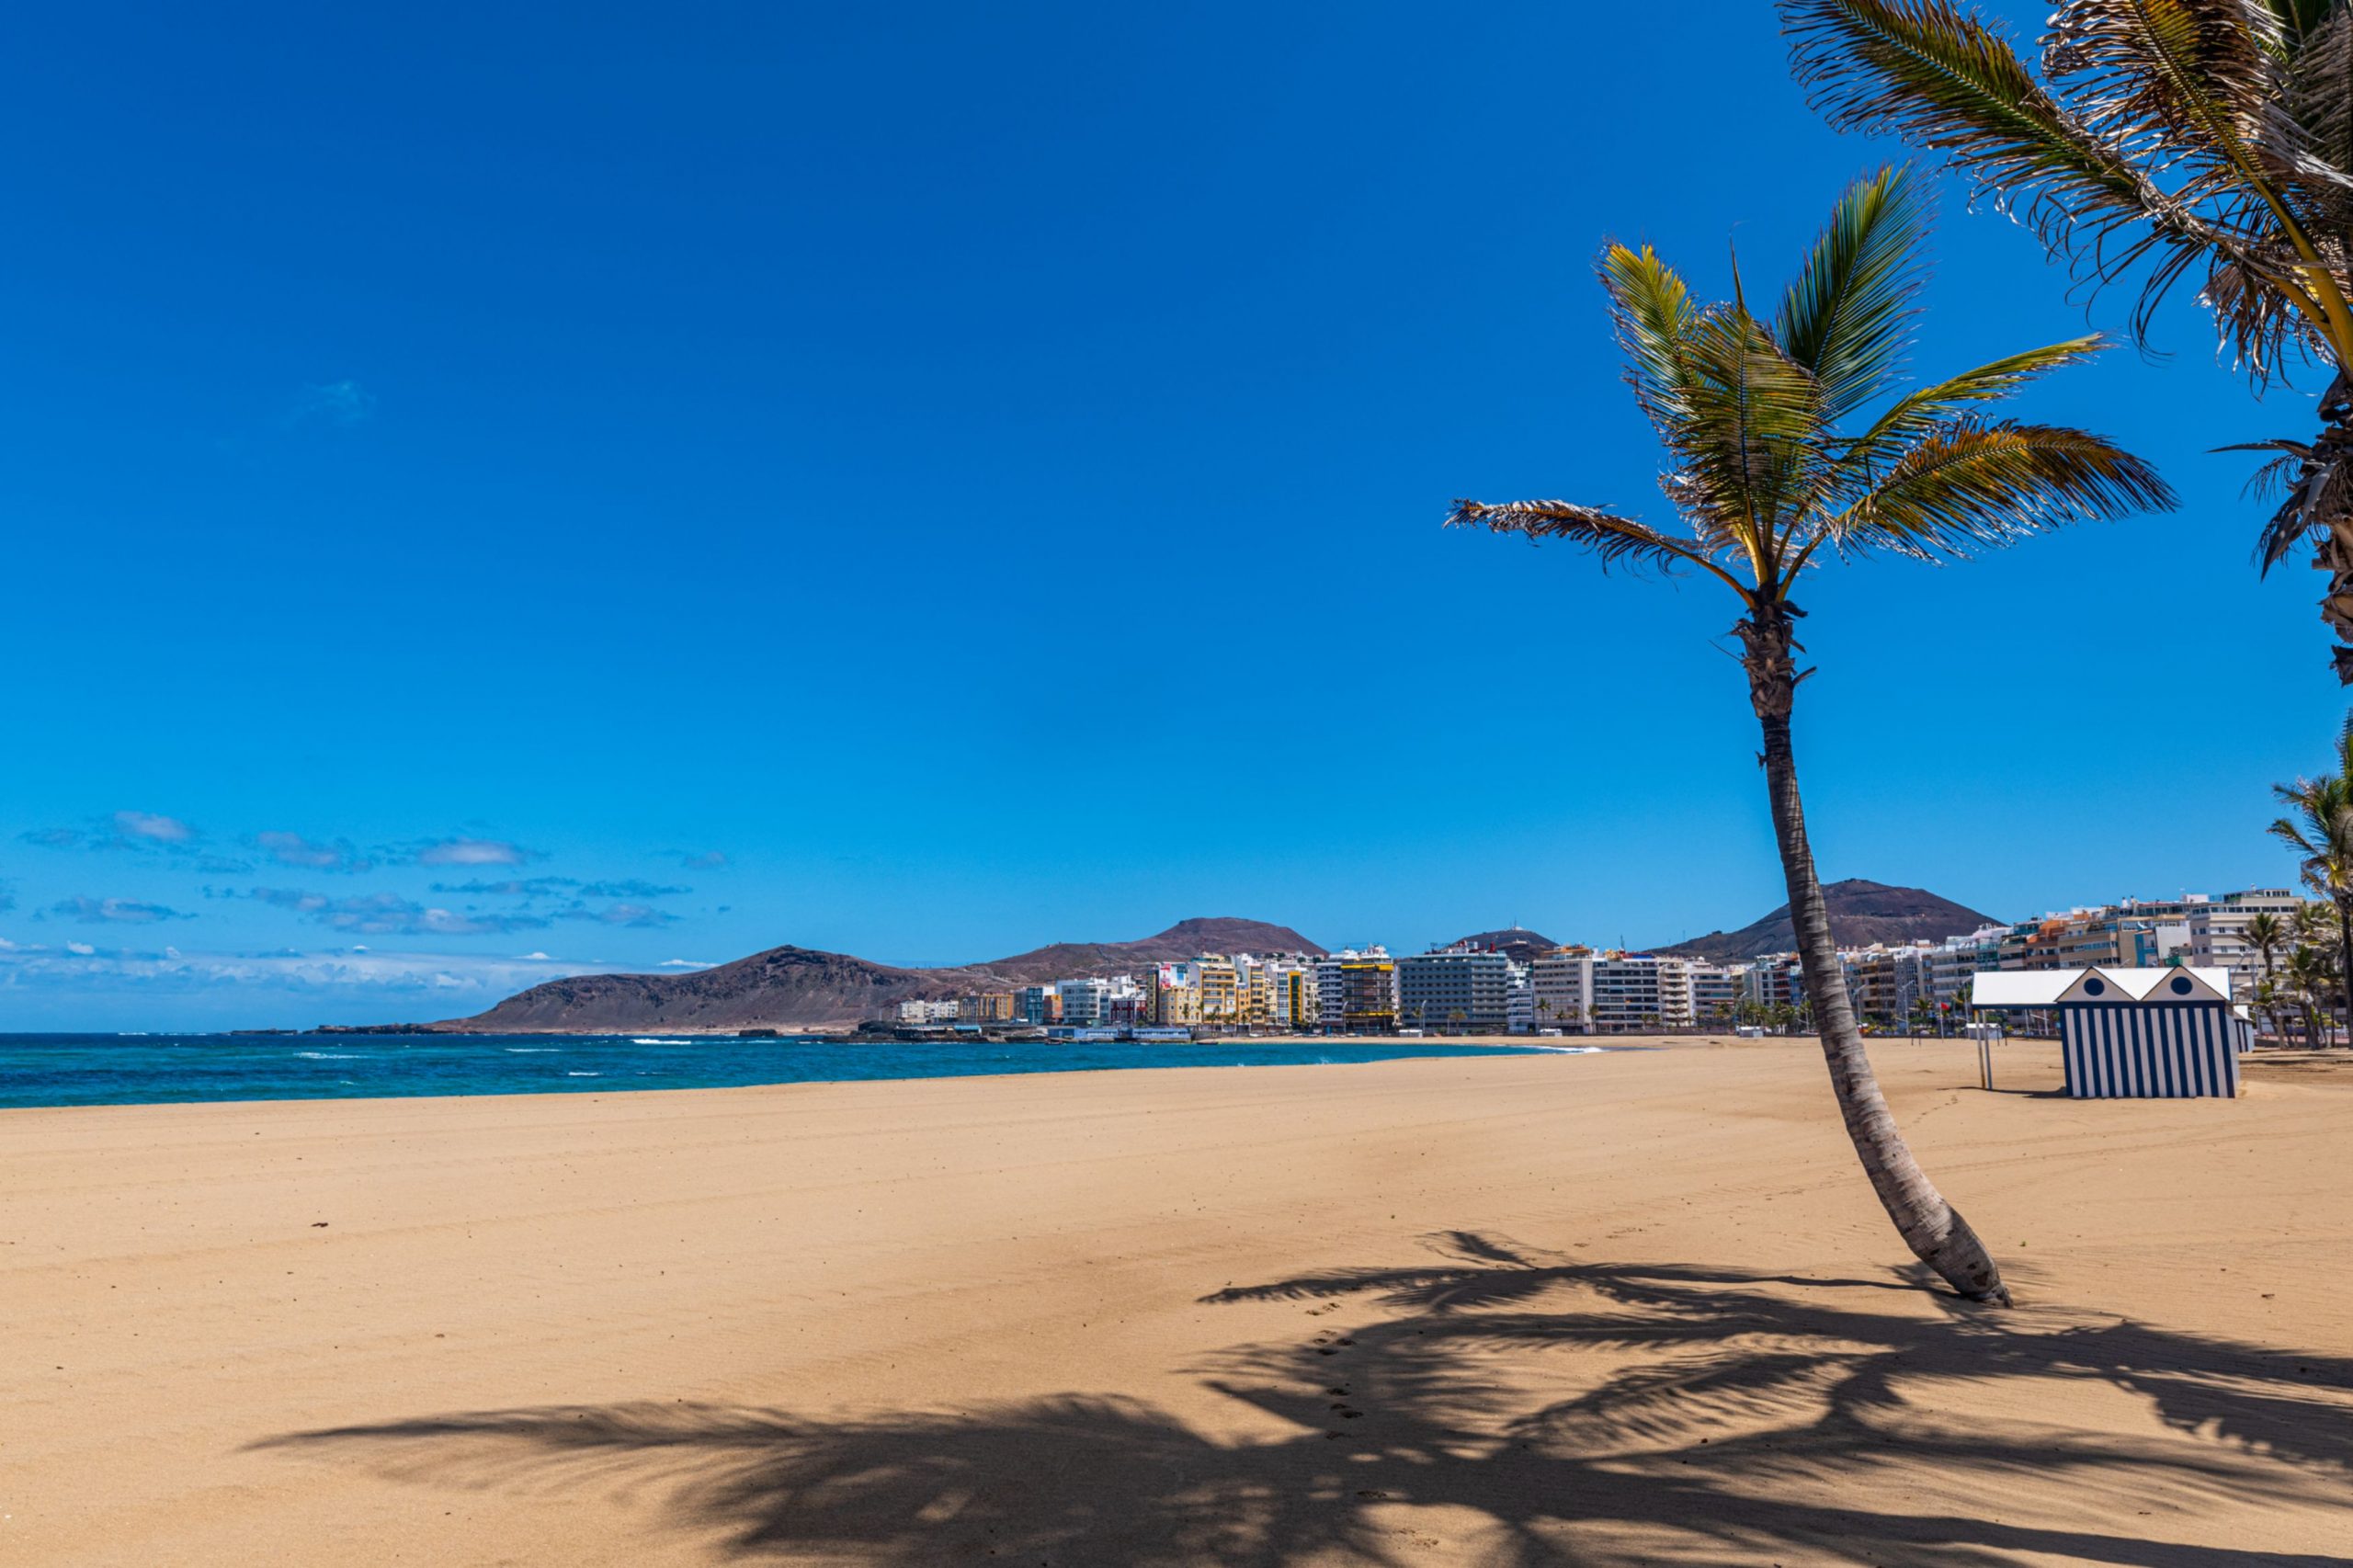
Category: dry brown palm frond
<point>1614,540</point>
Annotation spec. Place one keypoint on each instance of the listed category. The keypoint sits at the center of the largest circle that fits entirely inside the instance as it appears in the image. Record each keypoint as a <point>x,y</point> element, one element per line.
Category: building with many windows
<point>1357,992</point>
<point>1460,990</point>
<point>1037,1005</point>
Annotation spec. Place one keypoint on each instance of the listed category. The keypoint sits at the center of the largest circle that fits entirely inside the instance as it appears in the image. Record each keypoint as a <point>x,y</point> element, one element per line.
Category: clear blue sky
<point>928,480</point>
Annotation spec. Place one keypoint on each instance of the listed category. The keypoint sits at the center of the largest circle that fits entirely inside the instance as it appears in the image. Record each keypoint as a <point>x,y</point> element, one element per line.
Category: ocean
<point>112,1069</point>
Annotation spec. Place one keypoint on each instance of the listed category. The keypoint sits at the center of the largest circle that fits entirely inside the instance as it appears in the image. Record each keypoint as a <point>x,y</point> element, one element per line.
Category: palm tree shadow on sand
<point>1740,1418</point>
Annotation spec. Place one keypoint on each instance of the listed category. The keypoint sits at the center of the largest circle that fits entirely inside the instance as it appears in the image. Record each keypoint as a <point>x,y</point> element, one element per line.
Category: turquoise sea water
<point>86,1069</point>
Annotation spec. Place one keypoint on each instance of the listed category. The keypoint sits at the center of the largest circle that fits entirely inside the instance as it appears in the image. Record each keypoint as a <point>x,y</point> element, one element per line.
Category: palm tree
<point>2308,980</point>
<point>2174,133</point>
<point>2266,933</point>
<point>1774,468</point>
<point>2321,833</point>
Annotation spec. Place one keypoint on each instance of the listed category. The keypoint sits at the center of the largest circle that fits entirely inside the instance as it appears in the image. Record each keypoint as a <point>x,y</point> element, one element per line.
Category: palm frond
<point>1976,486</point>
<point>2196,78</point>
<point>2310,486</point>
<point>1848,318</point>
<point>1919,411</point>
<point>1934,74</point>
<point>2320,83</point>
<point>1753,434</point>
<point>1651,314</point>
<point>1614,540</point>
<point>2091,163</point>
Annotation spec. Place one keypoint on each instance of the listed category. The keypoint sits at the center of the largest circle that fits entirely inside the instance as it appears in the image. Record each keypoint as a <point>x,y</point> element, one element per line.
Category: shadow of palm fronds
<point>1733,1418</point>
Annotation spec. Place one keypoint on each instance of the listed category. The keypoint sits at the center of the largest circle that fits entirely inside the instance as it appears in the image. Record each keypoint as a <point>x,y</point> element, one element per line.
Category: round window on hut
<point>2094,986</point>
<point>2180,983</point>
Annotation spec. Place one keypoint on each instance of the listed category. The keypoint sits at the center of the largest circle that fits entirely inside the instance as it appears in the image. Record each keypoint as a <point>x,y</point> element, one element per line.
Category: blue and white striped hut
<point>2133,1033</point>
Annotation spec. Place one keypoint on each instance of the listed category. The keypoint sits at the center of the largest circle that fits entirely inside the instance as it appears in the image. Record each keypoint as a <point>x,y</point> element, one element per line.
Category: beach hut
<point>2132,1033</point>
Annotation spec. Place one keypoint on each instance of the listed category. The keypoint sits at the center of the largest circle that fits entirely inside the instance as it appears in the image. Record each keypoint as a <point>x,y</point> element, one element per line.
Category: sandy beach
<point>1624,1309</point>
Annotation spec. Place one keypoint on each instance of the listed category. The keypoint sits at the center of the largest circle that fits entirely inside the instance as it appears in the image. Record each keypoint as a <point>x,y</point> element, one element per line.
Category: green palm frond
<point>1614,540</point>
<point>1978,485</point>
<point>1752,435</point>
<point>1847,320</point>
<point>1651,313</point>
<point>1924,409</point>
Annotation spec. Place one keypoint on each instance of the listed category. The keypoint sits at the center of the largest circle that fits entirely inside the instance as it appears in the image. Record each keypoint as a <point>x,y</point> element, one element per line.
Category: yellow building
<point>1175,995</point>
<point>1221,990</point>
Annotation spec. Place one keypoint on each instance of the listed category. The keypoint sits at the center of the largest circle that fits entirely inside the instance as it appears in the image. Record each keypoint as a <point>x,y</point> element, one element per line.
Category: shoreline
<point>952,1061</point>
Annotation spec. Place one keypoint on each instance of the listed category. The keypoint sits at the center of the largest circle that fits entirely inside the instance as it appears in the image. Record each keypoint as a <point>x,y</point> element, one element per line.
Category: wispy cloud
<point>114,912</point>
<point>687,963</point>
<point>709,860</point>
<point>559,887</point>
<point>153,827</point>
<point>78,966</point>
<point>472,852</point>
<point>384,914</point>
<point>8,896</point>
<point>151,830</point>
<point>311,855</point>
<point>641,916</point>
<point>331,403</point>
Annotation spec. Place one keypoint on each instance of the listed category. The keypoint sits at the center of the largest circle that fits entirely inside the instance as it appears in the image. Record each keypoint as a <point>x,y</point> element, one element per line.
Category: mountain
<point>802,987</point>
<point>1518,942</point>
<point>1861,912</point>
<point>1186,939</point>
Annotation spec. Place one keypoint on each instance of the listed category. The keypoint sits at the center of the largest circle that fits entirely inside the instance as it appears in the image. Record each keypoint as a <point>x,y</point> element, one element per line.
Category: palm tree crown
<point>1774,456</point>
<point>2161,137</point>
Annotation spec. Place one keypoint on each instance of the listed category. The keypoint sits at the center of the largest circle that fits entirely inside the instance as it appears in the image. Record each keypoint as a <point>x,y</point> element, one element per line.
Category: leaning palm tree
<point>2161,139</point>
<point>2321,833</point>
<point>1777,468</point>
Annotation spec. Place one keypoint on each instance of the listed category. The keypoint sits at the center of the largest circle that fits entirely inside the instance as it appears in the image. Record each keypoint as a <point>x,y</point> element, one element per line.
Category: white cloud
<point>473,852</point>
<point>80,967</point>
<point>386,914</point>
<point>311,855</point>
<point>113,911</point>
<point>686,963</point>
<point>153,826</point>
<point>333,402</point>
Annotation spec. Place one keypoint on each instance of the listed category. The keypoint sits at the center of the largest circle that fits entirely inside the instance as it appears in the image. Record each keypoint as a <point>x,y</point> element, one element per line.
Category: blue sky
<point>627,486</point>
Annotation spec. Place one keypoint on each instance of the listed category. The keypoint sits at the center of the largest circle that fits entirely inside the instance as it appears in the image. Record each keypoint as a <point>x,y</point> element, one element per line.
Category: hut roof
<point>2045,987</point>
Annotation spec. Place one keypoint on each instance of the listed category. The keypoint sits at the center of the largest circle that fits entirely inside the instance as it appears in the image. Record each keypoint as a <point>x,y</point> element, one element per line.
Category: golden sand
<point>1623,1309</point>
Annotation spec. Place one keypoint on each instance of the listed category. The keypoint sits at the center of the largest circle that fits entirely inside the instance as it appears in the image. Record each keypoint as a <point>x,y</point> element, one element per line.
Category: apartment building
<point>1357,991</point>
<point>987,1008</point>
<point>1460,990</point>
<point>1037,1005</point>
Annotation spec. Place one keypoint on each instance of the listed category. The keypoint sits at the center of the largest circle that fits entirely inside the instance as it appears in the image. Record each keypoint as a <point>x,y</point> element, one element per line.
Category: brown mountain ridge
<point>1861,912</point>
<point>792,987</point>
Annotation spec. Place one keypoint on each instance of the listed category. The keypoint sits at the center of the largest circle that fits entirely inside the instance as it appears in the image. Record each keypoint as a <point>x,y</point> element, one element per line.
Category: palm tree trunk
<point>2345,957</point>
<point>1931,1227</point>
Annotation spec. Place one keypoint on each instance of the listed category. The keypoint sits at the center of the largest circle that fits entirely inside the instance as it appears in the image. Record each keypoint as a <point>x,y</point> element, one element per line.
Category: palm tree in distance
<point>2308,980</point>
<point>2159,140</point>
<point>2265,933</point>
<point>1776,467</point>
<point>2320,831</point>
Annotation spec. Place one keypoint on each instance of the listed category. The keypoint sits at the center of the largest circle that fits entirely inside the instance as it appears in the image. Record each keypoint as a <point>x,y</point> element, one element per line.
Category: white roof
<point>2042,987</point>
